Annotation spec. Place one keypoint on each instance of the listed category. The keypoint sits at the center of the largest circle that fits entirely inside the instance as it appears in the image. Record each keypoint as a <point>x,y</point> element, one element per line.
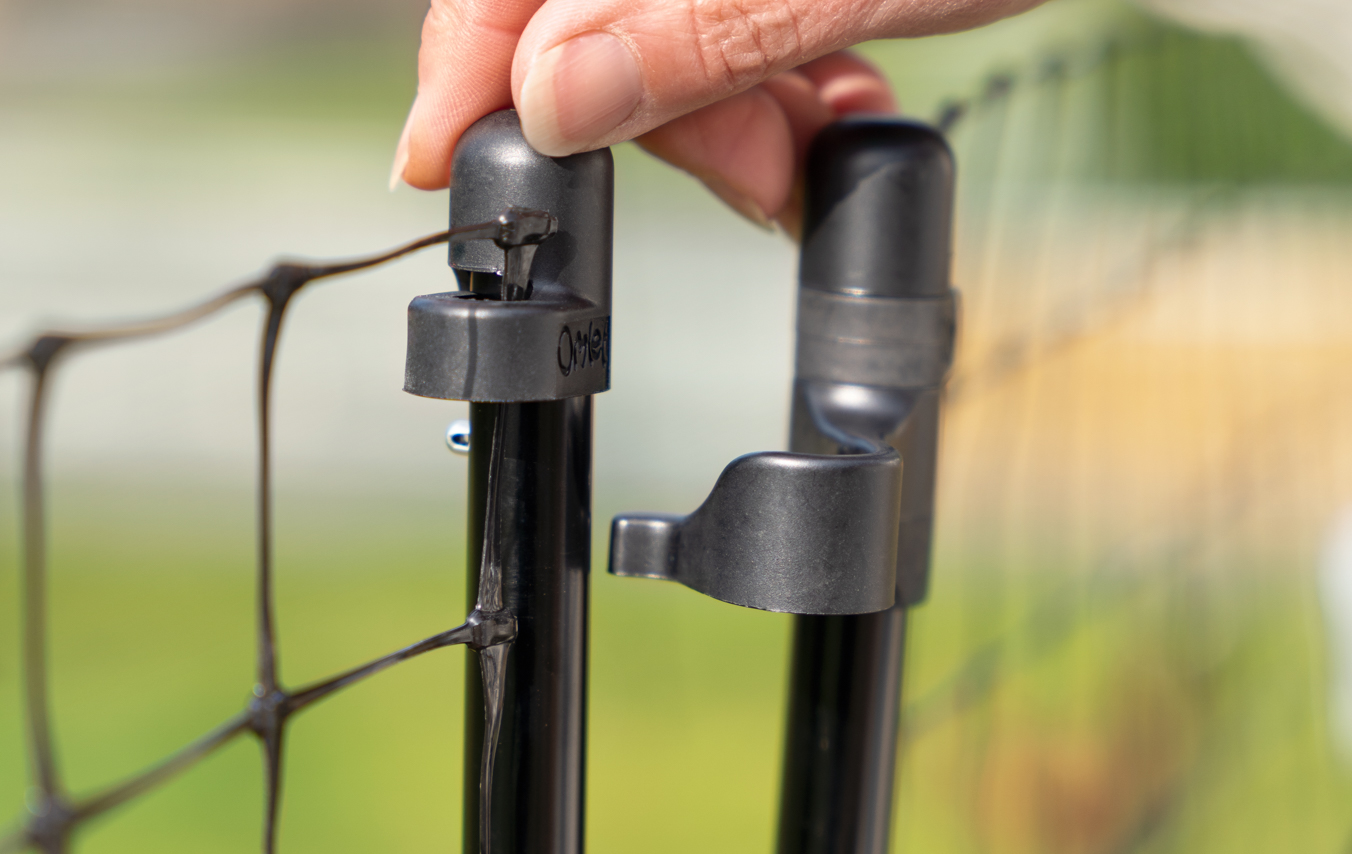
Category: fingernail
<point>740,202</point>
<point>401,151</point>
<point>578,92</point>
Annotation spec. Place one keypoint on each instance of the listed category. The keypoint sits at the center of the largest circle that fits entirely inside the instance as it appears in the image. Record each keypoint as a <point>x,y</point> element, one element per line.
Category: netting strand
<point>55,814</point>
<point>492,657</point>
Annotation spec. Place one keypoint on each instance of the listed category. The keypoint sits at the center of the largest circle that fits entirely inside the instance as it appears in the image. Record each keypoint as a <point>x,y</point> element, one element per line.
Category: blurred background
<point>1139,634</point>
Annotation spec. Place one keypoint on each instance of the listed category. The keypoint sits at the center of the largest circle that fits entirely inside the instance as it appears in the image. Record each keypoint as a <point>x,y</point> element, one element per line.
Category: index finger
<point>464,73</point>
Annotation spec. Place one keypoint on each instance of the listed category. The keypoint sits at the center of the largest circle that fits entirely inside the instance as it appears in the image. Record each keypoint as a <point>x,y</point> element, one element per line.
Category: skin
<point>730,91</point>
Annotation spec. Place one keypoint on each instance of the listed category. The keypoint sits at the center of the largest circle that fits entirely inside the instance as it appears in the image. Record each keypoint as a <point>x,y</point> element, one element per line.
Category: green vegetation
<point>1184,714</point>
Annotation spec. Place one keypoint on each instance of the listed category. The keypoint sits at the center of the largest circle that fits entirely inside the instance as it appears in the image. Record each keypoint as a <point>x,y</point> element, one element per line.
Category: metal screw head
<point>457,436</point>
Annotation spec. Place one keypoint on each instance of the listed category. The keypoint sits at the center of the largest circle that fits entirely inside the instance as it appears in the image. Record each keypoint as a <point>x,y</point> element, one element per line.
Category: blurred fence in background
<point>1149,433</point>
<point>1148,436</point>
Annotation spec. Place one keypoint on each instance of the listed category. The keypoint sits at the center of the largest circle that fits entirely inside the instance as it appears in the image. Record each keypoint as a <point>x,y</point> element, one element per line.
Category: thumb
<point>589,73</point>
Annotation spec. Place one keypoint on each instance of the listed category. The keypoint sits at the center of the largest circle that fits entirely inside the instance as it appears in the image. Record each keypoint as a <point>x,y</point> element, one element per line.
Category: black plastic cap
<point>878,209</point>
<point>494,168</point>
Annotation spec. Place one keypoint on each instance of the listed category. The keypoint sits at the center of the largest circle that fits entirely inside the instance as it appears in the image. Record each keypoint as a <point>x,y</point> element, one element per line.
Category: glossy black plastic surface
<point>492,345</point>
<point>796,533</point>
<point>878,209</point>
<point>544,507</point>
<point>844,701</point>
<point>877,234</point>
<point>494,167</point>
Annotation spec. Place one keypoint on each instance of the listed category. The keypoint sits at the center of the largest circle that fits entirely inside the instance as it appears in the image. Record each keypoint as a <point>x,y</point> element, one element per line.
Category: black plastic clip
<point>518,232</point>
<point>835,528</point>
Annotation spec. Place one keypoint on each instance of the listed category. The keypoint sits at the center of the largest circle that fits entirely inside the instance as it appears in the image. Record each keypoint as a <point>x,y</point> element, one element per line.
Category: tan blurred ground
<point>1198,367</point>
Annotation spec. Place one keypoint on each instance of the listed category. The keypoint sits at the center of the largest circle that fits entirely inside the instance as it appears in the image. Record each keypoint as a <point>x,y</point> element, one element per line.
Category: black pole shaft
<point>877,227</point>
<point>844,699</point>
<point>544,507</point>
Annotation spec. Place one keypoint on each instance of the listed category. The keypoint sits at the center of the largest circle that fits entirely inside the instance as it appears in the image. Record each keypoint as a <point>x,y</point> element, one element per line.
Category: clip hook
<point>518,232</point>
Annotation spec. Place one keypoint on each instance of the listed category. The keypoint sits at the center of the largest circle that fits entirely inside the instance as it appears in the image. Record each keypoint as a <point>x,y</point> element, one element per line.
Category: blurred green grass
<point>152,645</point>
<point>151,627</point>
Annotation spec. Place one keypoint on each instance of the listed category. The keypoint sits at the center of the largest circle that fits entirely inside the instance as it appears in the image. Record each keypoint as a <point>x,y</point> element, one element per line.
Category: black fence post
<point>544,502</point>
<point>527,341</point>
<point>875,337</point>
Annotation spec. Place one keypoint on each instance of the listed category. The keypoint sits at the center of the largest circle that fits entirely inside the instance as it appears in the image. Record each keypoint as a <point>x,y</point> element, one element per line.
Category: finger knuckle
<point>741,42</point>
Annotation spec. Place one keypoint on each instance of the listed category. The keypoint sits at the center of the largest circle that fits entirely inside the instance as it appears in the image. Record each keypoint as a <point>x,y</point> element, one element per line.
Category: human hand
<point>731,91</point>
